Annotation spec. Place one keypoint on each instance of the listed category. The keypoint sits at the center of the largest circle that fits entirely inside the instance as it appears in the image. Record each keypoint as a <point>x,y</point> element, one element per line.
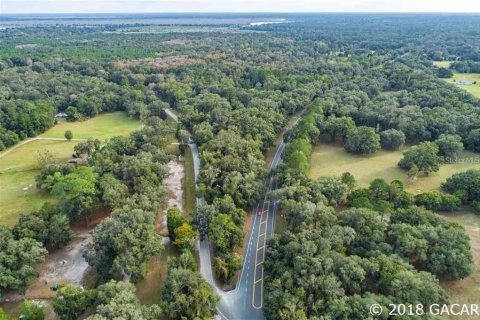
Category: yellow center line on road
<point>266,203</point>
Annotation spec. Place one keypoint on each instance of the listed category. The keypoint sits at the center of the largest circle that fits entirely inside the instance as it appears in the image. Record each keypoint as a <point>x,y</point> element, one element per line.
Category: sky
<point>155,6</point>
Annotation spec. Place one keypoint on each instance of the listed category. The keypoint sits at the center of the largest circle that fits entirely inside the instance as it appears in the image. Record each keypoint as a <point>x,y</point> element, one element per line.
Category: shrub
<point>392,139</point>
<point>363,141</point>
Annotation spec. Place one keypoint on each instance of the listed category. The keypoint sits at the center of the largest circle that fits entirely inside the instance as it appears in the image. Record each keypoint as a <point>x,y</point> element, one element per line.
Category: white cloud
<point>76,6</point>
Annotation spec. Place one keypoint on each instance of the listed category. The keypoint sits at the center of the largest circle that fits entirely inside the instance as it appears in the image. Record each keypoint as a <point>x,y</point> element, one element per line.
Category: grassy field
<point>19,166</point>
<point>148,290</point>
<point>473,88</point>
<point>466,291</point>
<point>441,64</point>
<point>102,127</point>
<point>17,178</point>
<point>332,160</point>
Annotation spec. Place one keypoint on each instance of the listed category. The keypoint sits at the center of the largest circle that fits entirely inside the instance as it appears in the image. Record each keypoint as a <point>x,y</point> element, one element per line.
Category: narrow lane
<point>245,302</point>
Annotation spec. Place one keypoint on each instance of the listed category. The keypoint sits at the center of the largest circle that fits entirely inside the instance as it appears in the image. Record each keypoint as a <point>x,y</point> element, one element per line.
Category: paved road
<point>245,302</point>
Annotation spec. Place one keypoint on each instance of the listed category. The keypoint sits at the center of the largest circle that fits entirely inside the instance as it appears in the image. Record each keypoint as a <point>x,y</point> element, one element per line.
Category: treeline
<point>32,93</point>
<point>466,66</point>
<point>434,37</point>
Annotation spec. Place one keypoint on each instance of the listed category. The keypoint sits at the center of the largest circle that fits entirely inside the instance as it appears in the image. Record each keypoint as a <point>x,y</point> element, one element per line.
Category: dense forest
<point>366,82</point>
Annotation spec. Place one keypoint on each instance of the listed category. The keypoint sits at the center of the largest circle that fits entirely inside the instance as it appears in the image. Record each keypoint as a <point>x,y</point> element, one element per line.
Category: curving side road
<point>245,302</point>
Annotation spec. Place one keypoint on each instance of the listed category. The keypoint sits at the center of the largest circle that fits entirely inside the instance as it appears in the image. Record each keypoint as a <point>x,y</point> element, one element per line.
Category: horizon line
<point>249,12</point>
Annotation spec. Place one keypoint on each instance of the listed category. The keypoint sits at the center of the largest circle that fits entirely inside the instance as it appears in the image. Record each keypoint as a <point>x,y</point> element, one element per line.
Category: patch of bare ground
<point>26,46</point>
<point>149,289</point>
<point>161,62</point>
<point>174,184</point>
<point>173,42</point>
<point>65,265</point>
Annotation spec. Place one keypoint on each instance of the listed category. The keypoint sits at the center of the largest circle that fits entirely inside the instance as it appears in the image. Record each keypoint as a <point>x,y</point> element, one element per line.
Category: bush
<point>424,156</point>
<point>436,201</point>
<point>430,200</point>
<point>68,135</point>
<point>31,311</point>
<point>476,206</point>
<point>450,203</point>
<point>468,182</point>
<point>363,141</point>
<point>449,147</point>
<point>392,139</point>
<point>473,140</point>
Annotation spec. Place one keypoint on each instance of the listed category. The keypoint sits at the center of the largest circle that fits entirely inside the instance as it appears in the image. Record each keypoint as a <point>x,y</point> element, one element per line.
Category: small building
<point>61,115</point>
<point>464,82</point>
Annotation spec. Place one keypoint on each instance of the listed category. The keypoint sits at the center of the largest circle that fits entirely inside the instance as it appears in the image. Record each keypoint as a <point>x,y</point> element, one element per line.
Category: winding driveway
<point>245,302</point>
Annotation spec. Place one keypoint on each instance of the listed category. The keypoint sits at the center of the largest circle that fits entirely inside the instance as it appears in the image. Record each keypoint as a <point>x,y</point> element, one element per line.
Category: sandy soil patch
<point>26,46</point>
<point>173,42</point>
<point>174,184</point>
<point>161,62</point>
<point>66,265</point>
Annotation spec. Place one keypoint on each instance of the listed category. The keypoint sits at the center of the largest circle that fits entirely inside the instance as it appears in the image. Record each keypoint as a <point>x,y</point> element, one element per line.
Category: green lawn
<point>441,64</point>
<point>102,127</point>
<point>332,160</point>
<point>19,166</point>
<point>17,177</point>
<point>474,88</point>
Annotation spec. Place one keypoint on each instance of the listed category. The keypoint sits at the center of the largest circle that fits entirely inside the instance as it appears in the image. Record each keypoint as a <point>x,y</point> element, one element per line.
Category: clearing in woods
<point>333,160</point>
<point>473,78</point>
<point>19,164</point>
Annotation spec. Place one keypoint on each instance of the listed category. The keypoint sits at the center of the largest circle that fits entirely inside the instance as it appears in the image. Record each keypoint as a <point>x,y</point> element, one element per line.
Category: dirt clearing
<point>174,184</point>
<point>66,265</point>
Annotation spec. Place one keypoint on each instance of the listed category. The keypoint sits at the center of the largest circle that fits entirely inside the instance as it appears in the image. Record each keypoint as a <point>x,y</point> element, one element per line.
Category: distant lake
<point>261,23</point>
<point>252,19</point>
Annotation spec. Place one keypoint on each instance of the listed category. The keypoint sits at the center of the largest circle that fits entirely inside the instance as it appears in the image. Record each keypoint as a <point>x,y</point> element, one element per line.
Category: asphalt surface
<point>245,302</point>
